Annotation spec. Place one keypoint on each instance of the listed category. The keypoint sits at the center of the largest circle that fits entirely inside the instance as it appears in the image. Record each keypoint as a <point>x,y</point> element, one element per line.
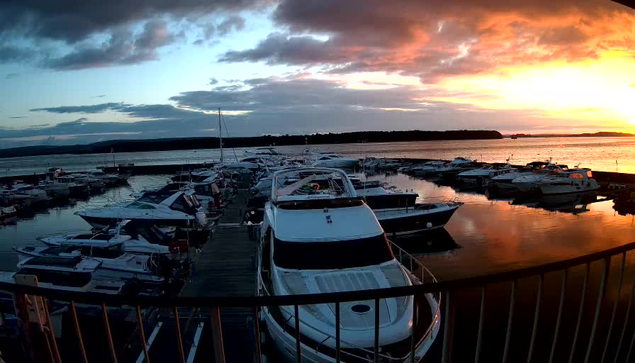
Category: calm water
<point>596,153</point>
<point>484,236</point>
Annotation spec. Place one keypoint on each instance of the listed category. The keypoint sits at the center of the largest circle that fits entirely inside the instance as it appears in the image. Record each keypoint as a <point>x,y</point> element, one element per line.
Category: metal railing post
<point>377,317</point>
<point>617,300</point>
<point>217,335</point>
<point>448,329</point>
<point>626,319</point>
<point>142,332</point>
<point>563,290</point>
<point>582,299</point>
<point>78,331</point>
<point>337,332</point>
<point>257,334</point>
<point>510,319</point>
<point>111,344</point>
<point>534,330</point>
<point>179,337</point>
<point>298,346</point>
<point>414,328</point>
<point>598,307</point>
<point>481,322</point>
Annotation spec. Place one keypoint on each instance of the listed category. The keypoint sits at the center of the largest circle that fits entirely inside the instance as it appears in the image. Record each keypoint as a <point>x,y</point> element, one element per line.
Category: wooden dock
<point>226,267</point>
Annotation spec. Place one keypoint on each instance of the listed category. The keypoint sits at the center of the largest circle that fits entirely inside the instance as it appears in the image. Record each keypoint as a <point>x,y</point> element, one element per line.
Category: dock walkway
<point>226,267</point>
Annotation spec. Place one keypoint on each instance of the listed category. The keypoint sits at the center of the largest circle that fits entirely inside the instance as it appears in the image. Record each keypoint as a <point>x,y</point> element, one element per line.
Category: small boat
<point>569,181</point>
<point>177,209</point>
<point>327,240</point>
<point>54,189</point>
<point>116,263</point>
<point>481,175</point>
<point>76,188</point>
<point>334,161</point>
<point>69,274</point>
<point>400,214</point>
<point>38,195</point>
<point>138,245</point>
<point>530,182</point>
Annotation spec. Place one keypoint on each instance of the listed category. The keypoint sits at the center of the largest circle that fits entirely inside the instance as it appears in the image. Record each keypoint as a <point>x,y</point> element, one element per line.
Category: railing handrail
<point>323,298</point>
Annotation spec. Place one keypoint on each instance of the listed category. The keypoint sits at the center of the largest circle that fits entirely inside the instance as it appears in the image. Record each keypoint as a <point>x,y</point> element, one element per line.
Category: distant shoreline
<point>596,134</point>
<point>174,144</point>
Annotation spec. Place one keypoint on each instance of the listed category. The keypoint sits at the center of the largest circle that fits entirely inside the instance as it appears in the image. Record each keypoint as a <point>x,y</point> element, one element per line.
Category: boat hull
<point>103,222</point>
<point>401,222</point>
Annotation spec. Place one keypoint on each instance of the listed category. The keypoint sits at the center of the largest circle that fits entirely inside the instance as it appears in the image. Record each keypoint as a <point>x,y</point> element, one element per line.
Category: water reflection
<point>435,241</point>
<point>496,235</point>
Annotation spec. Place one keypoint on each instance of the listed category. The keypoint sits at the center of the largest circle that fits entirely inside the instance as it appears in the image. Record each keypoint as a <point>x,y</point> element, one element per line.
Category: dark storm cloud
<point>83,109</point>
<point>72,21</point>
<point>14,54</point>
<point>122,48</point>
<point>45,24</point>
<point>281,48</point>
<point>232,23</point>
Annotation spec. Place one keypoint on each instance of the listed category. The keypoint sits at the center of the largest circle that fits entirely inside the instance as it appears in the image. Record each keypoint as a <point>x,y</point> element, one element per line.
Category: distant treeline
<point>266,140</point>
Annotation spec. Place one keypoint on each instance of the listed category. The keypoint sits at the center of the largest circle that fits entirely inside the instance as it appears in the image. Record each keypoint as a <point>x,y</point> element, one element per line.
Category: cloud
<point>232,23</point>
<point>122,48</point>
<point>213,81</point>
<point>17,117</point>
<point>12,75</point>
<point>68,36</point>
<point>437,39</point>
<point>83,109</point>
<point>100,96</point>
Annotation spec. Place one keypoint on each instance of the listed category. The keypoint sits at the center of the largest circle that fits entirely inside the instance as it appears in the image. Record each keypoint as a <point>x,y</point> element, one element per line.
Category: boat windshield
<point>60,278</point>
<point>331,255</point>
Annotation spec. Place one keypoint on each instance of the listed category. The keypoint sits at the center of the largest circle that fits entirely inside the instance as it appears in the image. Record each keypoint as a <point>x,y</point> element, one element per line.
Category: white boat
<point>69,274</point>
<point>529,182</point>
<point>162,209</point>
<point>400,214</point>
<point>427,167</point>
<point>334,161</point>
<point>76,188</point>
<point>504,182</point>
<point>115,263</point>
<point>569,181</point>
<point>327,240</point>
<point>138,245</point>
<point>54,189</point>
<point>37,195</point>
<point>481,175</point>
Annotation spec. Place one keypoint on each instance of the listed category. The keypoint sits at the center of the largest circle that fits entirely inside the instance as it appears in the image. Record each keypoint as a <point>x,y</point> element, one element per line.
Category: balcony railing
<point>600,332</point>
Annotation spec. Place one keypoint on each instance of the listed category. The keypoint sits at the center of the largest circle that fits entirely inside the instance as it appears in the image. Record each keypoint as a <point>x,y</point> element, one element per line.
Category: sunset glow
<point>301,67</point>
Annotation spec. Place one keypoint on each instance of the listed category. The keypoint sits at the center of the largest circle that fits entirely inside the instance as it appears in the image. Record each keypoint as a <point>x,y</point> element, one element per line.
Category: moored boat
<point>325,240</point>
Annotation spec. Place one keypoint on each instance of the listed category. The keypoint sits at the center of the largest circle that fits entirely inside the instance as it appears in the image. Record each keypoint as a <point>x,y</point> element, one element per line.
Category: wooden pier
<point>224,267</point>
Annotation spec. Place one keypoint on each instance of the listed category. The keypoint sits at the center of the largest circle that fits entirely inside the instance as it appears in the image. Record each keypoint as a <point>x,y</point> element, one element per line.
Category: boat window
<point>60,278</point>
<point>183,205</point>
<point>83,236</point>
<point>576,176</point>
<point>331,255</point>
<point>589,174</point>
<point>138,205</point>
<point>104,252</point>
<point>325,158</point>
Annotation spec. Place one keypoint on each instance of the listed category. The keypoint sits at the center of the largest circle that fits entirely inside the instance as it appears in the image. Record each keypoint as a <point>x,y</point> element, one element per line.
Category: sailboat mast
<point>220,130</point>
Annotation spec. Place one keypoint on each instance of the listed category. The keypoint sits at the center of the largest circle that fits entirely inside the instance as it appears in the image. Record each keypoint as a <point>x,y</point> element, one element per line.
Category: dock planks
<point>226,267</point>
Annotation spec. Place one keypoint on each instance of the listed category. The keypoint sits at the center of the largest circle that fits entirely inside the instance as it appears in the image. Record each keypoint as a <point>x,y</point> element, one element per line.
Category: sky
<point>78,72</point>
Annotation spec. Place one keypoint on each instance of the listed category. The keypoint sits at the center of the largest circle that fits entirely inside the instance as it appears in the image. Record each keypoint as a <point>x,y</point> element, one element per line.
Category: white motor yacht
<point>569,181</point>
<point>177,209</point>
<point>139,245</point>
<point>334,161</point>
<point>69,274</point>
<point>116,264</point>
<point>54,189</point>
<point>38,195</point>
<point>319,239</point>
<point>481,175</point>
<point>530,182</point>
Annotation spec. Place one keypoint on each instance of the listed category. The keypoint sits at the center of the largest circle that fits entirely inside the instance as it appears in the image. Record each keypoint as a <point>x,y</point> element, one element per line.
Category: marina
<point>483,233</point>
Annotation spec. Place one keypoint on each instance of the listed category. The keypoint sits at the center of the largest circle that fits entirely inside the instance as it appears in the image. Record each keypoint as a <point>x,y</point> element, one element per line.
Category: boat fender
<point>429,225</point>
